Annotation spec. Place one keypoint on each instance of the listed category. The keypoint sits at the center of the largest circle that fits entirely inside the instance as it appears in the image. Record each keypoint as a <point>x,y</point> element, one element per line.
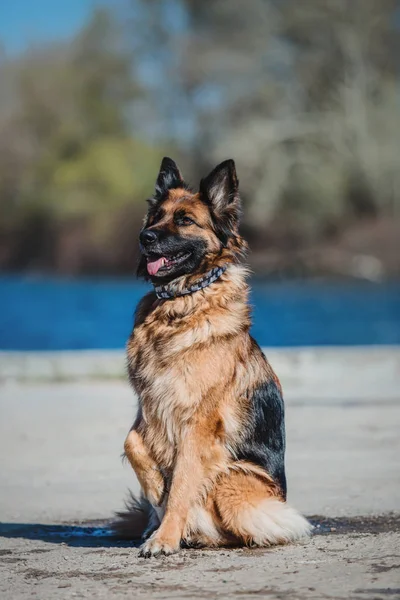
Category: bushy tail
<point>132,522</point>
<point>273,522</point>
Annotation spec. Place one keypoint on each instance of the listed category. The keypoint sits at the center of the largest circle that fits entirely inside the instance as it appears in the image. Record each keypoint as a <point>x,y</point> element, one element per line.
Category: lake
<point>56,314</point>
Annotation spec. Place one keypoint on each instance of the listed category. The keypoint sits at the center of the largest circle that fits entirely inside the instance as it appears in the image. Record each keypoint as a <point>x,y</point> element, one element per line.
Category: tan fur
<point>192,362</point>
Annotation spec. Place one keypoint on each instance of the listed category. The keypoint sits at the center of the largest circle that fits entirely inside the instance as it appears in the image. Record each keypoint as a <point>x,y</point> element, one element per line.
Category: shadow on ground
<point>95,534</point>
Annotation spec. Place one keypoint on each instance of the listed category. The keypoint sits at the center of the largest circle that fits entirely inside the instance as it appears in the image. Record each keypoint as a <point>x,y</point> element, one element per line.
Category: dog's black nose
<point>148,236</point>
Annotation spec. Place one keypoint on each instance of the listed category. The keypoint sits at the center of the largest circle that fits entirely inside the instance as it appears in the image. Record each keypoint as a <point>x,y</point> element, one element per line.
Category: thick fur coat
<point>208,442</point>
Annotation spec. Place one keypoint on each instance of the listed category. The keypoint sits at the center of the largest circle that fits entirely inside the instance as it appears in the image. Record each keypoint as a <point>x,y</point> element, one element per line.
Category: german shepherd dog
<point>208,442</point>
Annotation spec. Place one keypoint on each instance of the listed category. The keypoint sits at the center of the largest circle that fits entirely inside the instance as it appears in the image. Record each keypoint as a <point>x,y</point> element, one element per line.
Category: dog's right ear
<point>220,191</point>
<point>220,188</point>
<point>168,178</point>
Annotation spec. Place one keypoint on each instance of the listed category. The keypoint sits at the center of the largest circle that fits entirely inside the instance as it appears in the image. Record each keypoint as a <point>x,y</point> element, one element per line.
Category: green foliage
<point>72,125</point>
<point>304,96</point>
<point>108,173</point>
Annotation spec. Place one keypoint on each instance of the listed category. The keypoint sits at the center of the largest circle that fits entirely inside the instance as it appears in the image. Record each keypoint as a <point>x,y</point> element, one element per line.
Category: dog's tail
<point>280,523</point>
<point>131,523</point>
<point>272,522</point>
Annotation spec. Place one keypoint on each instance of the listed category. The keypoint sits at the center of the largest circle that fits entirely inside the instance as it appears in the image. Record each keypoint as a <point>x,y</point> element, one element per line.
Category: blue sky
<point>31,21</point>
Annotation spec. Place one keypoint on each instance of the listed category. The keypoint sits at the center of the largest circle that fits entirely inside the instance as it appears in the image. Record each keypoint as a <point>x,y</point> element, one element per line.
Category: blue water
<point>49,314</point>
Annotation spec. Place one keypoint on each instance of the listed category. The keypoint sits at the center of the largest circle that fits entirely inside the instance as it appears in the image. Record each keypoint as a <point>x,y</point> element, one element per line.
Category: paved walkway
<point>60,470</point>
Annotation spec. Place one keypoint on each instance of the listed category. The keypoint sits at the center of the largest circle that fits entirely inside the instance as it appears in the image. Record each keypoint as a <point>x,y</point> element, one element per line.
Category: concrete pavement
<point>60,471</point>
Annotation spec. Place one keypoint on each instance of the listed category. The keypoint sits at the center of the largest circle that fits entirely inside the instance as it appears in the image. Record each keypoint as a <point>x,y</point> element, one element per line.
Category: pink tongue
<point>155,265</point>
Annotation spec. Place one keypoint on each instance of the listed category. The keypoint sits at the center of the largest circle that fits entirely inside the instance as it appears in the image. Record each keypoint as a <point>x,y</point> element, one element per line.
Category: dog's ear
<point>220,189</point>
<point>169,177</point>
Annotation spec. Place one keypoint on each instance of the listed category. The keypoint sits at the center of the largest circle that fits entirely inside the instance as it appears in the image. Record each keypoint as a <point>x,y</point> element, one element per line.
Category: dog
<point>208,442</point>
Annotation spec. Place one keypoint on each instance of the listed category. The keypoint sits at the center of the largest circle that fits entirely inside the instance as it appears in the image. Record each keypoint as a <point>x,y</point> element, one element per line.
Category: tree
<point>70,155</point>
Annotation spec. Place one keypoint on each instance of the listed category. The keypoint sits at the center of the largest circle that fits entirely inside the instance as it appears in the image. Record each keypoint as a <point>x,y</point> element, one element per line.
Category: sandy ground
<point>61,478</point>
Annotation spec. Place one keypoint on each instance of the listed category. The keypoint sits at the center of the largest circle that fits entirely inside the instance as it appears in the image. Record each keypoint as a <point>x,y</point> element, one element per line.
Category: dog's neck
<point>219,309</point>
<point>174,290</point>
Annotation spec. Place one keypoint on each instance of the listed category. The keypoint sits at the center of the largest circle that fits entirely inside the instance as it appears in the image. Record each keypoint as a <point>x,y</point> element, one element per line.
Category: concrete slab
<point>60,446</point>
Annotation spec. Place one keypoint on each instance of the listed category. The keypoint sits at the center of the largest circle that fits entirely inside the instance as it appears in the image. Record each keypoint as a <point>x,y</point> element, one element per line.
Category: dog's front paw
<point>158,546</point>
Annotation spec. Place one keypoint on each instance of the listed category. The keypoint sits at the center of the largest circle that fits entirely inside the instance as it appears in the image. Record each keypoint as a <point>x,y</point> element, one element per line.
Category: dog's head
<point>186,232</point>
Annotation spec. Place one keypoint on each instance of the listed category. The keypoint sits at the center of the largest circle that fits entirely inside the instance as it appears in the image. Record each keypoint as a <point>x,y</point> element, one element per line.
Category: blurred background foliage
<point>305,96</point>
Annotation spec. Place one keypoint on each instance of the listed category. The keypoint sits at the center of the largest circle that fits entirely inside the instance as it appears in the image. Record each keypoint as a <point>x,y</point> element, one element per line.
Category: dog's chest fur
<point>181,356</point>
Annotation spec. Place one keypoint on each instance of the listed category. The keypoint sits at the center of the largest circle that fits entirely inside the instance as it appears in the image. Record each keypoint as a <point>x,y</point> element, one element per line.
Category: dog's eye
<point>185,221</point>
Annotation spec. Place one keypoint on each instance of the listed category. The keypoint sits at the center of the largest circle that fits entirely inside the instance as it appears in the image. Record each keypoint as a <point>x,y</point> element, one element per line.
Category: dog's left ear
<point>169,176</point>
<point>220,189</point>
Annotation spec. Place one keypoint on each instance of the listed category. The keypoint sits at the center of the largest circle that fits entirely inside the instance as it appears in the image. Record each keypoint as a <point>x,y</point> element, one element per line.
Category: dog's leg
<point>153,524</point>
<point>204,528</point>
<point>146,469</point>
<point>195,452</point>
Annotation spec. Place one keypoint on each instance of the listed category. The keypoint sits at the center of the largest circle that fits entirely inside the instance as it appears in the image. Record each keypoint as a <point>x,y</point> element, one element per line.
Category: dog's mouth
<point>164,264</point>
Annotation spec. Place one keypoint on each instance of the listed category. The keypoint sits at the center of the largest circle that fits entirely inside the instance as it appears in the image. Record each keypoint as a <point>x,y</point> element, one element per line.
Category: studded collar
<point>167,292</point>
